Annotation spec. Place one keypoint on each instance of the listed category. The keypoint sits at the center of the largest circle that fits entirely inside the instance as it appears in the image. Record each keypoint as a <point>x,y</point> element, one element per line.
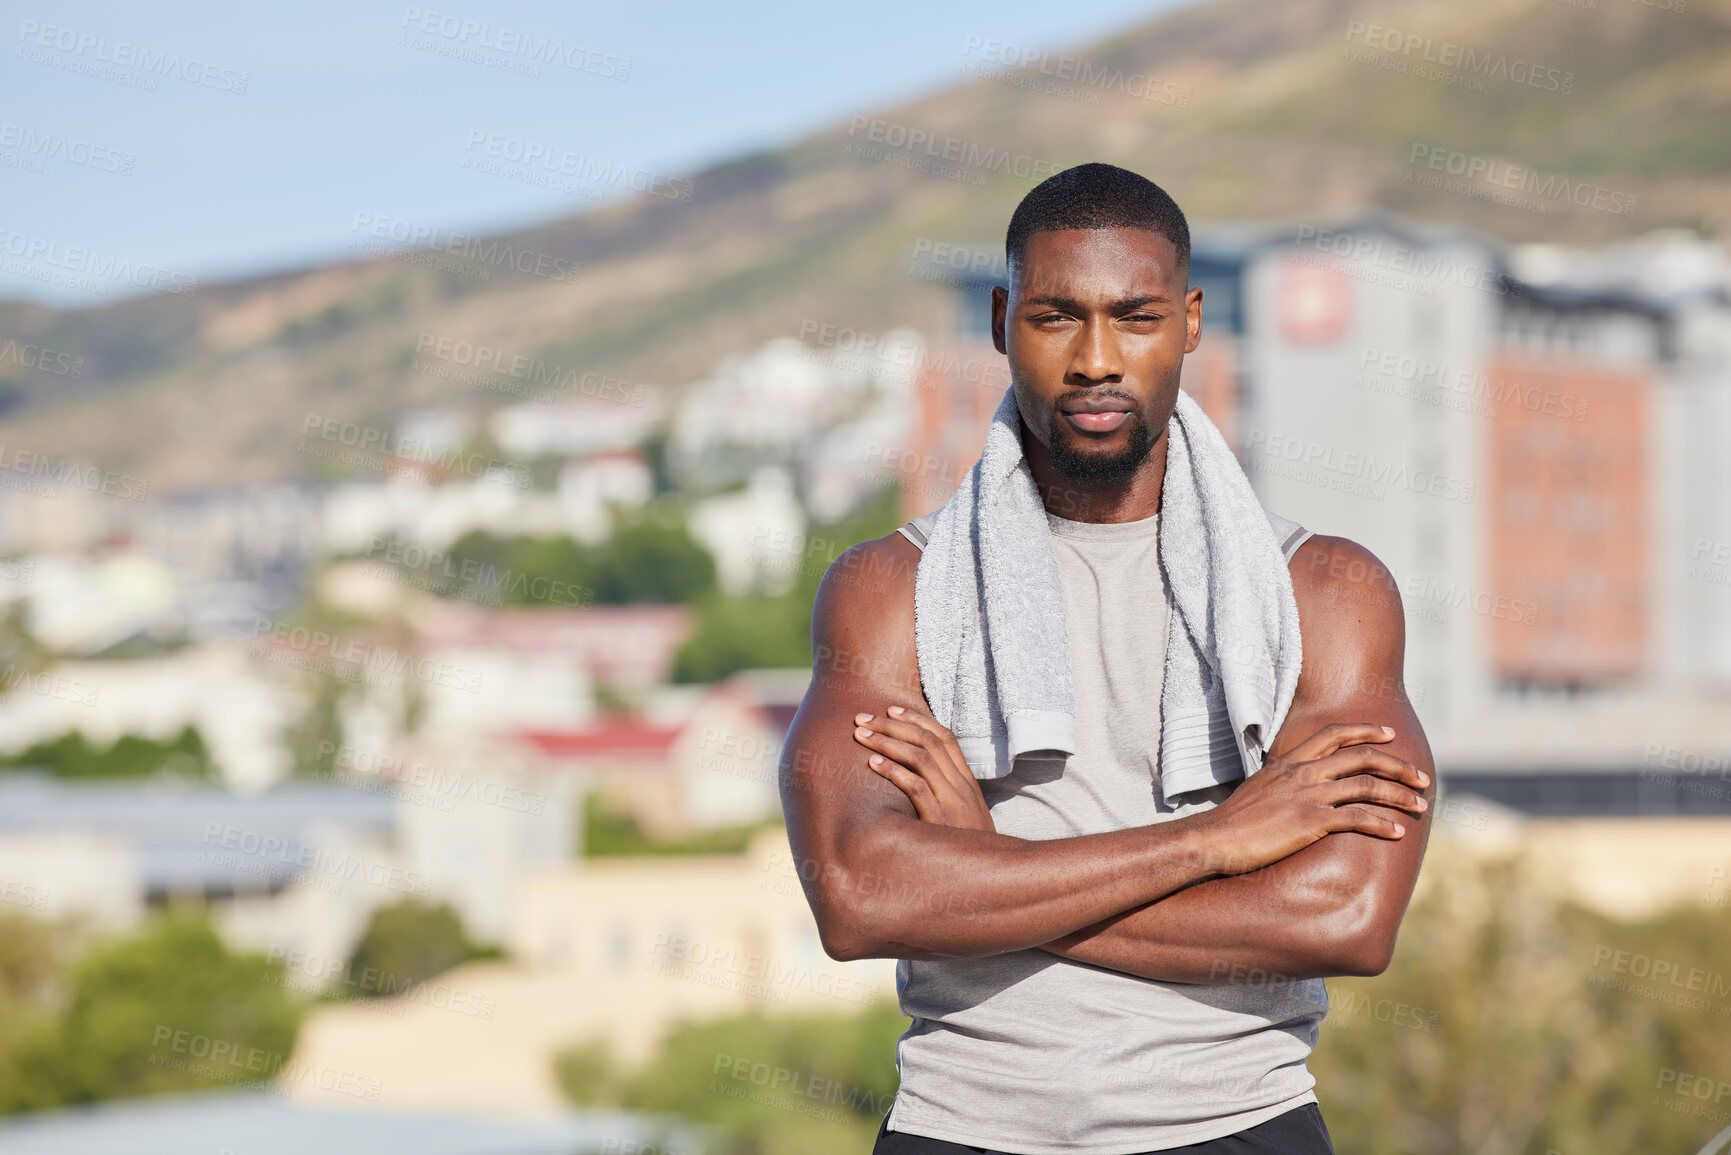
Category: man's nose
<point>1096,357</point>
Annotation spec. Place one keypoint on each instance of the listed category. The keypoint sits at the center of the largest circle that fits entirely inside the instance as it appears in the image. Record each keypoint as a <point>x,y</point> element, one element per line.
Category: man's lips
<point>1096,416</point>
<point>1103,422</point>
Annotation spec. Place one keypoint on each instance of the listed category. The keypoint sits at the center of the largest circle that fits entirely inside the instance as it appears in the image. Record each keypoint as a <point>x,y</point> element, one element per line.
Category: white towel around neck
<point>989,629</point>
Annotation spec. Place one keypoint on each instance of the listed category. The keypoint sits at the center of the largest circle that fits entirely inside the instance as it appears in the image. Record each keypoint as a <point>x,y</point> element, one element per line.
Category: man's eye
<point>1142,318</point>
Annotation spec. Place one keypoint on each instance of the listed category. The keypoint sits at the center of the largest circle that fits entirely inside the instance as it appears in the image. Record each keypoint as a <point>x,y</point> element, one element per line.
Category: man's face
<point>1096,324</point>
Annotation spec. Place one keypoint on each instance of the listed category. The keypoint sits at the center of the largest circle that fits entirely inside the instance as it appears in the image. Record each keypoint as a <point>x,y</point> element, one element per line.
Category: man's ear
<point>1192,320</point>
<point>1000,309</point>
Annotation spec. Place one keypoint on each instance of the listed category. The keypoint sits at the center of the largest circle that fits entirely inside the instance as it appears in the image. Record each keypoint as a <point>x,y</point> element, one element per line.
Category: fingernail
<point>1388,729</point>
<point>1423,778</point>
<point>1399,830</point>
<point>863,732</point>
<point>1421,804</point>
<point>862,717</point>
<point>895,709</point>
<point>875,759</point>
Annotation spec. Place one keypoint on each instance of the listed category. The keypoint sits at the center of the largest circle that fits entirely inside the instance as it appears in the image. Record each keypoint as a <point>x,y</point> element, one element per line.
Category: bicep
<point>862,662</point>
<point>1354,650</point>
<point>1348,862</point>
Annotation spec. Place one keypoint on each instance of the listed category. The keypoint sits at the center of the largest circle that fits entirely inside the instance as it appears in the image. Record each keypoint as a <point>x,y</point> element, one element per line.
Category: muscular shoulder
<point>1339,583</point>
<point>862,625</point>
<point>1349,614</point>
<point>870,578</point>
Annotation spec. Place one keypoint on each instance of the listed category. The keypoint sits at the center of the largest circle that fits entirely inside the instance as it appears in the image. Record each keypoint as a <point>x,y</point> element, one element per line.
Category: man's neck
<point>1131,500</point>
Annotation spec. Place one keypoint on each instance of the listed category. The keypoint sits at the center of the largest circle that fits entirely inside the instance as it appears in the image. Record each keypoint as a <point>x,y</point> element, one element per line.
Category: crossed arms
<point>1305,871</point>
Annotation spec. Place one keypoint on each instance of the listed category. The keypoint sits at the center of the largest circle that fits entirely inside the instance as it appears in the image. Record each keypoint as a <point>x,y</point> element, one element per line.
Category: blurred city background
<point>401,616</point>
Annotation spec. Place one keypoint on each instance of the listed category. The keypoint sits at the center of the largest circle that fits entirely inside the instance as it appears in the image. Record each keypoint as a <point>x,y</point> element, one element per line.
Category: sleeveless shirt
<point>1036,1054</point>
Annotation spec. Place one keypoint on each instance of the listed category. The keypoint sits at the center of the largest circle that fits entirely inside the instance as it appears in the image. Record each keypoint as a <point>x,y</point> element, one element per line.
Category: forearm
<point>1331,909</point>
<point>901,888</point>
<point>882,883</point>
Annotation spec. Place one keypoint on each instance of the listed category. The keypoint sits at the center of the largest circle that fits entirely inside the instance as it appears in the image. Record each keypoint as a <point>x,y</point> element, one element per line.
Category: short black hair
<point>1097,196</point>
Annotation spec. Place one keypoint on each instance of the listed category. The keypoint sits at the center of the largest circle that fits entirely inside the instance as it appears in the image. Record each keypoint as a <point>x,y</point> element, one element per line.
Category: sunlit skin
<point>1304,871</point>
<point>1104,317</point>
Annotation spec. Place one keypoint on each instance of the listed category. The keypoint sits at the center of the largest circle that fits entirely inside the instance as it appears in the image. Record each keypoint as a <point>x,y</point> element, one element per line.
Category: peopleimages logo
<point>461,36</point>
<point>38,145</point>
<point>241,848</point>
<point>494,252</point>
<point>1500,175</point>
<point>79,50</point>
<point>1390,369</point>
<point>1415,268</point>
<point>1267,449</point>
<point>322,651</point>
<point>42,473</point>
<point>354,444</point>
<point>1448,54</point>
<point>583,168</point>
<point>88,269</point>
<point>42,359</point>
<point>1072,77</point>
<point>908,139</point>
<point>533,371</point>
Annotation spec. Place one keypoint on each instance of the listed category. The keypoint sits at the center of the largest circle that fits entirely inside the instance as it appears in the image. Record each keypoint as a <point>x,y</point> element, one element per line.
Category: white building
<point>746,532</point>
<point>579,429</point>
<point>782,402</point>
<point>240,708</point>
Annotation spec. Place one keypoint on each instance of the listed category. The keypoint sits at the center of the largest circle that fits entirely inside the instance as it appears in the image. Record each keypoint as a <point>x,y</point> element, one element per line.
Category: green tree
<point>1500,1027</point>
<point>552,560</point>
<point>407,943</point>
<point>35,961</point>
<point>170,1008</point>
<point>314,738</point>
<point>130,756</point>
<point>649,558</point>
<point>20,653</point>
<point>831,1076</point>
<point>652,558</point>
<point>608,833</point>
<point>736,634</point>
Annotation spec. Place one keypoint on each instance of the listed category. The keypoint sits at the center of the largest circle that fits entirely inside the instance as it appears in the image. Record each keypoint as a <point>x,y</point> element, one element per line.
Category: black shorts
<point>1300,1131</point>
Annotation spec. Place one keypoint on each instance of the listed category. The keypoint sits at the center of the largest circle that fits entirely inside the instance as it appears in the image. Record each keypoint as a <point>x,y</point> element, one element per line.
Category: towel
<point>989,629</point>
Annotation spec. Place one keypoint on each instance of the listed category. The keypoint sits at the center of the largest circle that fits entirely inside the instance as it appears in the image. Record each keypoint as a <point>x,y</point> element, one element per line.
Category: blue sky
<point>204,139</point>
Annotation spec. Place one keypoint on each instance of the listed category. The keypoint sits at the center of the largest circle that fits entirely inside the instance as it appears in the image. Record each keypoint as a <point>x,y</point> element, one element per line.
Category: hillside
<point>1258,108</point>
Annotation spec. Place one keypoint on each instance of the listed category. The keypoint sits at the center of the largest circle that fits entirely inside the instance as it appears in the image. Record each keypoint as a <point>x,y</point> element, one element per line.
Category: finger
<point>1366,820</point>
<point>920,718</point>
<point>945,761</point>
<point>903,728</point>
<point>1373,760</point>
<point>1369,788</point>
<point>936,728</point>
<point>909,783</point>
<point>929,731</point>
<point>914,755</point>
<point>1331,738</point>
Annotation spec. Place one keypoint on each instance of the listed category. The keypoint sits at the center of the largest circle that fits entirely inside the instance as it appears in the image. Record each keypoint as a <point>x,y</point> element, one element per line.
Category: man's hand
<point>921,757</point>
<point>882,883</point>
<point>1323,785</point>
<point>1320,786</point>
<point>1334,906</point>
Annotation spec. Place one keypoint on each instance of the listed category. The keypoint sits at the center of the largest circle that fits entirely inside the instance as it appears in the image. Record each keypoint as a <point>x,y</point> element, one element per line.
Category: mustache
<point>1090,394</point>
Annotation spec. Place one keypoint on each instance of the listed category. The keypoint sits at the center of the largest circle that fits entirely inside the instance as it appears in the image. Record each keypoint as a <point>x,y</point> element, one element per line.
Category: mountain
<point>1596,118</point>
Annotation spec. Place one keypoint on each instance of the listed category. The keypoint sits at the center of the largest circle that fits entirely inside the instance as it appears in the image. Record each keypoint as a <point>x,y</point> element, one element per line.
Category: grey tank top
<point>1031,1053</point>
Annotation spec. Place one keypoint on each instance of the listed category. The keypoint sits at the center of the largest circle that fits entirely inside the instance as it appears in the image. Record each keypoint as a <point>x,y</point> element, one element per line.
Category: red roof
<point>614,736</point>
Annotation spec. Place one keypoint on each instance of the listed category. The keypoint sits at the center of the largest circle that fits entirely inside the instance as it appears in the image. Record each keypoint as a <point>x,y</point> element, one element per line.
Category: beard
<point>1118,468</point>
